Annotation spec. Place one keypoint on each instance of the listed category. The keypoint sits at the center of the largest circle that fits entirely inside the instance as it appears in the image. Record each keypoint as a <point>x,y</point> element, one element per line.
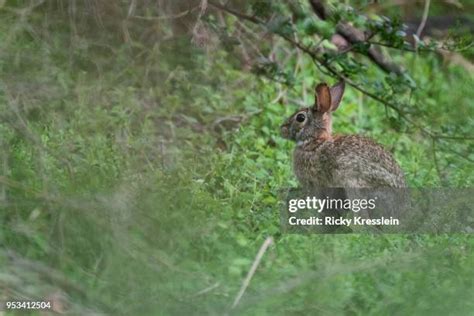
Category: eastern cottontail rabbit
<point>326,161</point>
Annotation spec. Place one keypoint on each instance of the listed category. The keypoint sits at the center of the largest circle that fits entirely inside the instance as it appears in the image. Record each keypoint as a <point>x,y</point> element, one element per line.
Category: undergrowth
<point>146,181</point>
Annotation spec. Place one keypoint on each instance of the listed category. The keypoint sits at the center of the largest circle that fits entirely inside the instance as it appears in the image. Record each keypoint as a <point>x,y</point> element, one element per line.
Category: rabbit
<point>322,160</point>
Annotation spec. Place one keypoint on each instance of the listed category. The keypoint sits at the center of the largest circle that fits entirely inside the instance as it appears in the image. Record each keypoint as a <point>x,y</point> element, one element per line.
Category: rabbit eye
<point>300,117</point>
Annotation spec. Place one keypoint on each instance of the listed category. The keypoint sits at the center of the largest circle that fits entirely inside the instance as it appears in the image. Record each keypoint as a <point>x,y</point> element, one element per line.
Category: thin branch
<point>252,270</point>
<point>356,86</point>
<point>163,17</point>
<point>435,159</point>
<point>236,13</point>
<point>460,155</point>
<point>207,290</point>
<point>355,36</point>
<point>251,43</point>
<point>424,18</point>
<point>202,11</point>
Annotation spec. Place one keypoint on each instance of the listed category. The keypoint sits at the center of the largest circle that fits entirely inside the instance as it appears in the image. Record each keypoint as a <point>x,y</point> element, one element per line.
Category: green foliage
<point>125,173</point>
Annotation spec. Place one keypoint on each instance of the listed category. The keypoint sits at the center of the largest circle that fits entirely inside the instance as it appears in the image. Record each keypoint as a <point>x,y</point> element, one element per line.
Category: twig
<point>281,93</point>
<point>163,17</point>
<point>424,18</point>
<point>435,159</point>
<point>197,37</point>
<point>355,36</point>
<point>252,270</point>
<point>460,155</point>
<point>236,13</point>
<point>207,289</point>
<point>251,43</point>
<point>131,8</point>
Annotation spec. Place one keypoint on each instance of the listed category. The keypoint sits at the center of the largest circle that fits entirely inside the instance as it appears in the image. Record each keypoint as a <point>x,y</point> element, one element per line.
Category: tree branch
<point>331,71</point>
<point>324,64</point>
<point>356,36</point>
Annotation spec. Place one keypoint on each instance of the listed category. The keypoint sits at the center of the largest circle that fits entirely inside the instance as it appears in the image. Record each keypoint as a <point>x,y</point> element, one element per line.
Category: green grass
<point>120,177</point>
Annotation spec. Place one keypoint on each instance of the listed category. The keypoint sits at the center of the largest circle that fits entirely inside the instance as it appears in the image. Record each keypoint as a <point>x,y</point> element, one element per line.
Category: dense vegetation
<point>140,172</point>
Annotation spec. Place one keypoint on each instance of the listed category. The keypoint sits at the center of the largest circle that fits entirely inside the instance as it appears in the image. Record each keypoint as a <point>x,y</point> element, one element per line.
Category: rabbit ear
<point>337,91</point>
<point>323,98</point>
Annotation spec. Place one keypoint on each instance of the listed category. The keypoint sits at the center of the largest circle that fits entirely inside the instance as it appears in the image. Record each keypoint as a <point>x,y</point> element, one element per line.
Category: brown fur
<point>321,160</point>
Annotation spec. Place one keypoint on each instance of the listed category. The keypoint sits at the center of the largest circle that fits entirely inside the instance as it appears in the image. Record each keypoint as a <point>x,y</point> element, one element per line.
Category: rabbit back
<point>346,162</point>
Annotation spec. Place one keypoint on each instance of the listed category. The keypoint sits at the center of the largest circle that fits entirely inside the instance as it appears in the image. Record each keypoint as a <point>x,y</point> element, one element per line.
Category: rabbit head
<point>314,122</point>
